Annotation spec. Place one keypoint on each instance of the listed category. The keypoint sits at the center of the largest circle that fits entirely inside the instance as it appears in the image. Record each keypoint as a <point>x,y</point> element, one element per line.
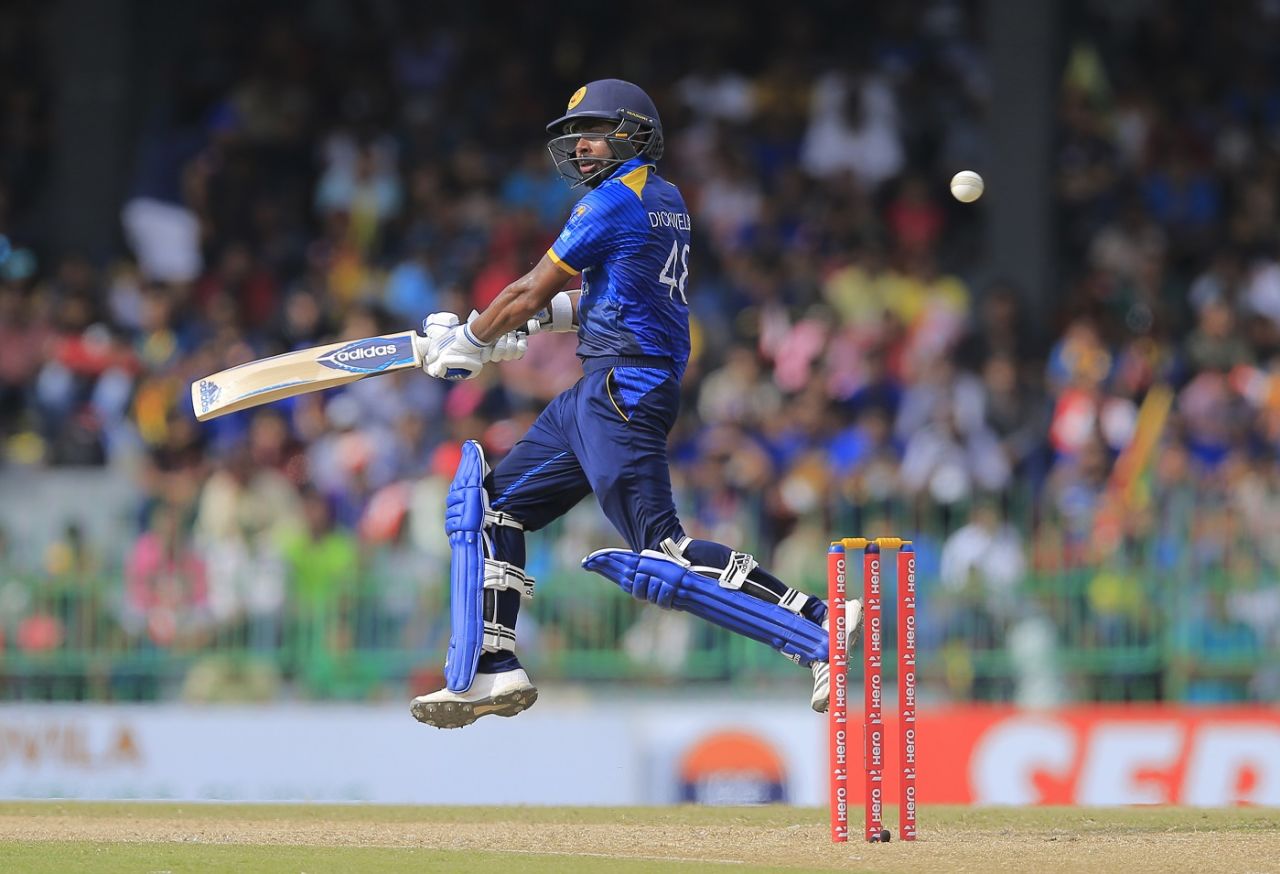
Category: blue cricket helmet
<point>637,128</point>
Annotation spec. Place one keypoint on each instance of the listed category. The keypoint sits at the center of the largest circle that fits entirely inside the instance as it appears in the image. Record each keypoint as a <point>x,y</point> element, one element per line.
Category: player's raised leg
<point>625,415</point>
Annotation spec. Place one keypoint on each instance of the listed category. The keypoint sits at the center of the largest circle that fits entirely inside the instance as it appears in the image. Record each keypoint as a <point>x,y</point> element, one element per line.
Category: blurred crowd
<point>335,172</point>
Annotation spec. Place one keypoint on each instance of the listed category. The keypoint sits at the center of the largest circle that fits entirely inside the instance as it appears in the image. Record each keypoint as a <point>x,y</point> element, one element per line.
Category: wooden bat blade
<point>307,370</point>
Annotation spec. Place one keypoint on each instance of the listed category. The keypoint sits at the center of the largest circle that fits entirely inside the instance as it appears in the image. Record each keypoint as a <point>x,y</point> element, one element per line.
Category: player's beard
<point>596,170</point>
<point>600,168</point>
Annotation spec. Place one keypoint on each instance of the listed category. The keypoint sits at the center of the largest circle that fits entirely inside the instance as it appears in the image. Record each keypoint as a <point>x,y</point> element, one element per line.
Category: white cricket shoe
<point>821,686</point>
<point>504,694</point>
<point>822,670</point>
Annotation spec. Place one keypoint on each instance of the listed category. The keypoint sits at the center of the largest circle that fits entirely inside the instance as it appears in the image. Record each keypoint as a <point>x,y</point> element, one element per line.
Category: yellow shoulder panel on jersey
<point>636,179</point>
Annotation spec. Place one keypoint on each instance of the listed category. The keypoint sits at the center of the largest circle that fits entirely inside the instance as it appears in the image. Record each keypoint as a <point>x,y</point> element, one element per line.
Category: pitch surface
<point>142,837</point>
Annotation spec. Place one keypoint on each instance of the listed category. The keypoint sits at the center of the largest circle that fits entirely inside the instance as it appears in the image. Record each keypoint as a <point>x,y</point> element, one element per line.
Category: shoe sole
<point>854,636</point>
<point>456,714</point>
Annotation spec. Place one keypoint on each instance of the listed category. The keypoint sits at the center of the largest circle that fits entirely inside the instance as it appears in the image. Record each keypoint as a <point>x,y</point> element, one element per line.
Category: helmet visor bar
<point>619,133</point>
<point>563,151</point>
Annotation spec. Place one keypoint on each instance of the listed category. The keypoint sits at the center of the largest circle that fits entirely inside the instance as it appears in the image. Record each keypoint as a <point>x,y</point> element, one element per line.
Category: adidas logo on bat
<point>209,392</point>
<point>368,356</point>
<point>366,352</point>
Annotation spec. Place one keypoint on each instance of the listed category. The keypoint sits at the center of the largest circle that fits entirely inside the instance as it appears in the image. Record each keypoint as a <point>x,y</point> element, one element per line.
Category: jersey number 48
<point>679,258</point>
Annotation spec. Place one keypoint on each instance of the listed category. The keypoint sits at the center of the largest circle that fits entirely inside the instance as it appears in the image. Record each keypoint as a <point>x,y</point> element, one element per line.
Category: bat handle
<point>420,342</point>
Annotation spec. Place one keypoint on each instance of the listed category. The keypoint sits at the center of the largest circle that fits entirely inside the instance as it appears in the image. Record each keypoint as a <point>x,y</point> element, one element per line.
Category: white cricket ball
<point>966,186</point>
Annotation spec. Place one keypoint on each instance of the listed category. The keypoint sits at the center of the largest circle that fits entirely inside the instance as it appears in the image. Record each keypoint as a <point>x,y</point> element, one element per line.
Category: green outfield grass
<point>141,837</point>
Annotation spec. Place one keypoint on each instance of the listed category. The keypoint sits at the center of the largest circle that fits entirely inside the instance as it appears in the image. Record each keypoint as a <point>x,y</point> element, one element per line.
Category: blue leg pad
<point>464,520</point>
<point>656,577</point>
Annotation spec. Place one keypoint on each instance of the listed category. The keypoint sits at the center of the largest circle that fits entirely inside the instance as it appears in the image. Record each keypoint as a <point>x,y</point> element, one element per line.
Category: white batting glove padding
<point>451,350</point>
<point>511,346</point>
<point>438,323</point>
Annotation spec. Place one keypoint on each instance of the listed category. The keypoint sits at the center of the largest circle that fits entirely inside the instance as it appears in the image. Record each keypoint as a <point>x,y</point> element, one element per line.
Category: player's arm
<point>455,351</point>
<point>535,296</point>
<point>589,234</point>
<point>535,302</point>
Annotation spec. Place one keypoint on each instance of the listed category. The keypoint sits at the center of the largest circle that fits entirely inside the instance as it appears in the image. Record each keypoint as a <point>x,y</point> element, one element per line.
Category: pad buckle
<point>498,637</point>
<point>497,517</point>
<point>741,564</point>
<point>501,575</point>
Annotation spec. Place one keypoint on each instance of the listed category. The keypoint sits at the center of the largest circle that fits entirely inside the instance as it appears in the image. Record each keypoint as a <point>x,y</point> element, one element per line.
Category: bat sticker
<point>373,355</point>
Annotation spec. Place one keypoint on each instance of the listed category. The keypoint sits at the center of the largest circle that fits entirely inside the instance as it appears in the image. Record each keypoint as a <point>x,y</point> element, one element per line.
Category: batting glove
<point>511,346</point>
<point>452,352</point>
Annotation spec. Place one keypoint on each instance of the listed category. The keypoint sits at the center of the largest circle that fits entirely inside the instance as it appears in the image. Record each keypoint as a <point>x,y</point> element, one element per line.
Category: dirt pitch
<point>139,837</point>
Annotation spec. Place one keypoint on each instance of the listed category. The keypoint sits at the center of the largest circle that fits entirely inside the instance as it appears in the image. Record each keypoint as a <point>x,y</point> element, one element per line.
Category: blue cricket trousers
<point>608,435</point>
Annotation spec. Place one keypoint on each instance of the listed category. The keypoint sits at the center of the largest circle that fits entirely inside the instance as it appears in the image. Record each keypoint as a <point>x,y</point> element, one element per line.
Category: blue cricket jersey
<point>629,238</point>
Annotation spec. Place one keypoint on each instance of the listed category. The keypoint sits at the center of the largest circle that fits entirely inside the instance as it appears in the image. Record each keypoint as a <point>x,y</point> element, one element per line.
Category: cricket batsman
<point>628,239</point>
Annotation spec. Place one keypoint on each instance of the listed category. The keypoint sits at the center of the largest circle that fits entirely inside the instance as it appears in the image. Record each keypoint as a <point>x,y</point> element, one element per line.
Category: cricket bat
<point>307,370</point>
